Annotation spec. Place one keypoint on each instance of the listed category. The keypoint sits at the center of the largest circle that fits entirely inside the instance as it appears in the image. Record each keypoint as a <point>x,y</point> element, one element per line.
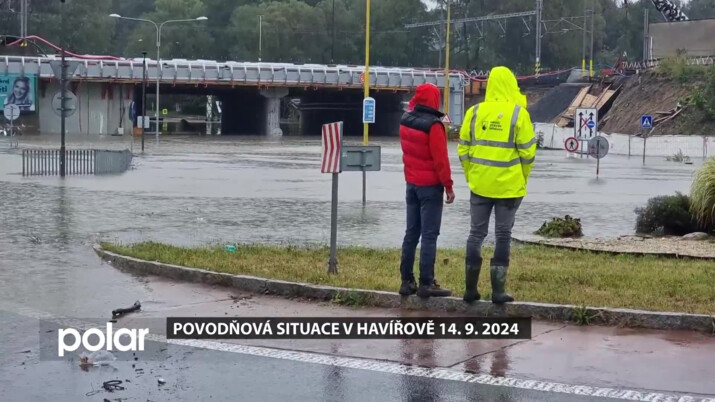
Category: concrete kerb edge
<point>551,312</point>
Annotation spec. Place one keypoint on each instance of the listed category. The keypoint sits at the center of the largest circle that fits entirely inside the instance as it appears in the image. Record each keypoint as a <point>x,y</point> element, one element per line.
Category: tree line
<point>333,31</point>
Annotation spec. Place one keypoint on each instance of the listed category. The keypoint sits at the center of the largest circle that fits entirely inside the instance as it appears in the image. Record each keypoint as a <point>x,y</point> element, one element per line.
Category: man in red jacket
<point>428,176</point>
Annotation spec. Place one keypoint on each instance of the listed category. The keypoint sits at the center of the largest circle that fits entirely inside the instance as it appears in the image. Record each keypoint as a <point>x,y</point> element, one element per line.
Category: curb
<point>551,312</point>
<point>612,252</point>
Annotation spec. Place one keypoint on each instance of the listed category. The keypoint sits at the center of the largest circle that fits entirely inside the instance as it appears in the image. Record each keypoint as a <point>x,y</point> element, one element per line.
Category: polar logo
<point>108,340</point>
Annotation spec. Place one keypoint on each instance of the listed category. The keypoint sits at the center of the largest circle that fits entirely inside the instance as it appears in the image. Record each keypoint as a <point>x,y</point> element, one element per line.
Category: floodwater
<point>198,190</point>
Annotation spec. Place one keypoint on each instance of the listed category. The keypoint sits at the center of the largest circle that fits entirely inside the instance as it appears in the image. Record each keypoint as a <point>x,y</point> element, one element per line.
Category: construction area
<point>621,101</point>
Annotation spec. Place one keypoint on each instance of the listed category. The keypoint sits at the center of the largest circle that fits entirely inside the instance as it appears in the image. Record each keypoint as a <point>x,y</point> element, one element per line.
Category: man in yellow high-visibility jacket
<point>497,150</point>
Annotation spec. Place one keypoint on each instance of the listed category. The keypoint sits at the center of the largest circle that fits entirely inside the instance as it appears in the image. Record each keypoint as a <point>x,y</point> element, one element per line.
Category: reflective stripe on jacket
<point>497,146</point>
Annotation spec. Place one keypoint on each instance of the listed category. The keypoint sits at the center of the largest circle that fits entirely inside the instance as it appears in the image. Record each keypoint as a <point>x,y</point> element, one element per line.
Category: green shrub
<point>703,95</point>
<point>702,195</point>
<point>678,68</point>
<point>561,227</point>
<point>666,215</point>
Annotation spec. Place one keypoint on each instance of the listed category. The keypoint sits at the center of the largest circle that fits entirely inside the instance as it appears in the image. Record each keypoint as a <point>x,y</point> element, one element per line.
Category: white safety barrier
<point>694,146</point>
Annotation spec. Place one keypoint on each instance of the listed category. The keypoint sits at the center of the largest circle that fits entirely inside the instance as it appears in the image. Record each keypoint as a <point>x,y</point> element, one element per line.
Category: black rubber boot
<point>498,276</point>
<point>471,278</point>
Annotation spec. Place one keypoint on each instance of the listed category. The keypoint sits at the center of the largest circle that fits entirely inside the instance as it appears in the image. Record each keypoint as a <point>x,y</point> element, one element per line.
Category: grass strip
<point>537,273</point>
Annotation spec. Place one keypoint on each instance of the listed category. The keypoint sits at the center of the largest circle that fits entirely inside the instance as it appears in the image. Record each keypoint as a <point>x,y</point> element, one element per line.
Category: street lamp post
<point>143,98</point>
<point>158,54</point>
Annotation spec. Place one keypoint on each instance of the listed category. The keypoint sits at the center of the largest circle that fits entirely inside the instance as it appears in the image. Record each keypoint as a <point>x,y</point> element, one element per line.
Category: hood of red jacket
<point>426,95</point>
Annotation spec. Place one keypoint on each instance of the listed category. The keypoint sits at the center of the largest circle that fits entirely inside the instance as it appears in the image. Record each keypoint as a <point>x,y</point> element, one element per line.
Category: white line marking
<point>439,373</point>
<point>385,367</point>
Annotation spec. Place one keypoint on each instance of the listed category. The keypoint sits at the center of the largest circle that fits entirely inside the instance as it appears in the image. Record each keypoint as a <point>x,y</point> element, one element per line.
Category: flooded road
<point>198,190</point>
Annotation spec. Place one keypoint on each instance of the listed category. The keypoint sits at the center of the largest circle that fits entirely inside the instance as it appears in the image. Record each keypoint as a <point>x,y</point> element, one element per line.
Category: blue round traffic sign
<point>591,124</point>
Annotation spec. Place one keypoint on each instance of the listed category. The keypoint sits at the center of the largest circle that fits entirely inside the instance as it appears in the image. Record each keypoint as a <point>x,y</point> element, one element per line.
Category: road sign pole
<point>333,261</point>
<point>63,97</point>
<point>143,98</point>
<point>366,86</point>
<point>645,136</point>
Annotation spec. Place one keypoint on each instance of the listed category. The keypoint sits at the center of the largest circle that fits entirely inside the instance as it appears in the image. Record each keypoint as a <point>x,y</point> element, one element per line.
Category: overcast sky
<point>430,4</point>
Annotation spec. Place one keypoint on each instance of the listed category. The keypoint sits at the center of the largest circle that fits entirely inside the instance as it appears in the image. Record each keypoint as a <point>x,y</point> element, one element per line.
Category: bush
<point>678,68</point>
<point>667,215</point>
<point>702,195</point>
<point>561,227</point>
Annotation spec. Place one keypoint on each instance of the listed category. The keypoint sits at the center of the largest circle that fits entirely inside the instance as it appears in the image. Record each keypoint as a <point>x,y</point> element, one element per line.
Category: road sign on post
<point>332,143</point>
<point>70,104</point>
<point>446,120</point>
<point>368,110</point>
<point>647,121</point>
<point>571,144</point>
<point>11,112</point>
<point>360,158</point>
<point>598,148</point>
<point>585,123</point>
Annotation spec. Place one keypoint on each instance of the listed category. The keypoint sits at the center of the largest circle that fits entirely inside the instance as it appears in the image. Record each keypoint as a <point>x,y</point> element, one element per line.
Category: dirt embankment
<point>649,94</point>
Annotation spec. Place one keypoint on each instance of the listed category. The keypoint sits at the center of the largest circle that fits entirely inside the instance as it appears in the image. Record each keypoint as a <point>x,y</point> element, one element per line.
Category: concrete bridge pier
<point>272,110</point>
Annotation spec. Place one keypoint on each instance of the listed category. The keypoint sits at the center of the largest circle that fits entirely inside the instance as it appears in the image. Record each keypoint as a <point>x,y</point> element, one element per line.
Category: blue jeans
<point>424,219</point>
<point>504,216</point>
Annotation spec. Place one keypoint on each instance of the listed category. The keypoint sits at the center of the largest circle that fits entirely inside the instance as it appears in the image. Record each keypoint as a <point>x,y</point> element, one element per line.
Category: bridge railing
<point>208,72</point>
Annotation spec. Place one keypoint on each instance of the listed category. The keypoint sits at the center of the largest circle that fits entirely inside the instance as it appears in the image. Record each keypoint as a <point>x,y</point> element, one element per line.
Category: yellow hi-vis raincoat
<point>496,142</point>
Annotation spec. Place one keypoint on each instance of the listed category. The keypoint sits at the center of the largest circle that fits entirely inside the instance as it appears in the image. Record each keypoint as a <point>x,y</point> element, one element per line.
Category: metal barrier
<point>107,162</point>
<point>46,162</point>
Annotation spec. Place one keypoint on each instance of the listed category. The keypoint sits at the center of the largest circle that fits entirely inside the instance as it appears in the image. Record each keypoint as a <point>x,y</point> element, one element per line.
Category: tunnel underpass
<point>254,111</point>
<point>326,106</point>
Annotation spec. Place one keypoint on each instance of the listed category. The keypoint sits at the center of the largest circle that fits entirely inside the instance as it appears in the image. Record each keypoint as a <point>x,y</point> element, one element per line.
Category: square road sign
<point>585,122</point>
<point>647,121</point>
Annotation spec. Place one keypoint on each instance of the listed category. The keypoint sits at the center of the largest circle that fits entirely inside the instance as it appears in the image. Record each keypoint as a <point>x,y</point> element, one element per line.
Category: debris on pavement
<point>122,311</point>
<point>109,386</point>
<point>98,358</point>
<point>161,381</point>
<point>112,385</point>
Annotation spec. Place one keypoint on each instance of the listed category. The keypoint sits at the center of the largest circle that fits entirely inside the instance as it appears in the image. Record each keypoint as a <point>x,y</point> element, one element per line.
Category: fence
<point>46,162</point>
<point>694,146</point>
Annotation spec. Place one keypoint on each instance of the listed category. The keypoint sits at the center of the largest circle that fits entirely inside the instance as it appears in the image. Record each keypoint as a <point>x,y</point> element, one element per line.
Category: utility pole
<point>591,57</point>
<point>63,89</point>
<point>645,36</point>
<point>143,99</point>
<point>539,10</point>
<point>22,19</point>
<point>446,61</point>
<point>583,50</point>
<point>332,46</point>
<point>366,85</point>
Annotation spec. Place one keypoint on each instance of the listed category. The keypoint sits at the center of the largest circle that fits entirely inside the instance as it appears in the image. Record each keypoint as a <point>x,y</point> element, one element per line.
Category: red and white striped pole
<point>332,142</point>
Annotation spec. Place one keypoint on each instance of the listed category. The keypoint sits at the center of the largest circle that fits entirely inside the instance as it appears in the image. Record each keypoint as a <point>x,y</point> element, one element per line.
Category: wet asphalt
<point>201,375</point>
<point>197,190</point>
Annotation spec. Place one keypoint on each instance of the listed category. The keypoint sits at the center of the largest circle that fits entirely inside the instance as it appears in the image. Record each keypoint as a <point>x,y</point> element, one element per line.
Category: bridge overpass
<point>250,92</point>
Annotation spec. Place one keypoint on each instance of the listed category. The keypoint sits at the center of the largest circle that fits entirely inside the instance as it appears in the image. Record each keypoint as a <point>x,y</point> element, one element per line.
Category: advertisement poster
<point>18,90</point>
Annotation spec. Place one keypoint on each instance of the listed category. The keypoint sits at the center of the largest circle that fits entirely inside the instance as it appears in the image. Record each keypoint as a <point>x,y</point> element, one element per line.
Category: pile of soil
<point>647,94</point>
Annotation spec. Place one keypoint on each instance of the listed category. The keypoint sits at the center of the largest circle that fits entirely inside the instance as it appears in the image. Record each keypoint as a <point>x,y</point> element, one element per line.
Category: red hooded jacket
<point>424,140</point>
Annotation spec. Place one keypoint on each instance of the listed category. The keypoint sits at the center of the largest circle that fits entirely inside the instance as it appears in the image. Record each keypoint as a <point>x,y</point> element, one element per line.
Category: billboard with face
<point>18,90</point>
